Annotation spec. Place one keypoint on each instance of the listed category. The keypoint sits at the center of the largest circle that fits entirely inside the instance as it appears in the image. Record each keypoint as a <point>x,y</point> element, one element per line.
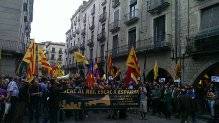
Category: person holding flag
<point>133,71</point>
<point>29,62</point>
<point>90,80</point>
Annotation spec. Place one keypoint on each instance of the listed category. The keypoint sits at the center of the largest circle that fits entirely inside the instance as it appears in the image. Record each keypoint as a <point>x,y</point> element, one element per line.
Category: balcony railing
<point>12,46</point>
<point>92,26</point>
<point>144,45</point>
<point>72,65</point>
<point>157,6</point>
<point>100,60</point>
<point>73,34</point>
<point>84,19</point>
<point>90,43</point>
<point>132,17</point>
<point>101,36</point>
<point>77,31</point>
<point>73,48</point>
<point>115,26</point>
<point>83,31</point>
<point>116,3</point>
<point>104,2</point>
<point>82,46</point>
<point>102,17</point>
<point>205,42</point>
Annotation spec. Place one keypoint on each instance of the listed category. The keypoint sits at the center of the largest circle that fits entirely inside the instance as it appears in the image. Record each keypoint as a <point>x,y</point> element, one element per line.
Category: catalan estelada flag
<point>30,60</point>
<point>133,71</point>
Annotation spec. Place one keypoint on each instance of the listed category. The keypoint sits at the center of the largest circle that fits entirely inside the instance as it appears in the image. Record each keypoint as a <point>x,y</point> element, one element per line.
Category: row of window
<point>53,57</point>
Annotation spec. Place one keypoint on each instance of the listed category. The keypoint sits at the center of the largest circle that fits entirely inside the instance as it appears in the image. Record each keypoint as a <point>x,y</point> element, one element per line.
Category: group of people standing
<point>39,101</point>
<point>182,101</point>
<point>23,101</point>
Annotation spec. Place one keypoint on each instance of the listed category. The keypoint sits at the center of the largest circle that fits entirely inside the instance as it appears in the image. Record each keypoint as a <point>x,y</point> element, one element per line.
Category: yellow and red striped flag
<point>30,59</point>
<point>43,60</point>
<point>133,71</point>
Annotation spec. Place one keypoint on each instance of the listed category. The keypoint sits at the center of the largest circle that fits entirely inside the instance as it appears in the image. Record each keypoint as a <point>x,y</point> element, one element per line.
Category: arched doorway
<point>208,77</point>
<point>162,75</point>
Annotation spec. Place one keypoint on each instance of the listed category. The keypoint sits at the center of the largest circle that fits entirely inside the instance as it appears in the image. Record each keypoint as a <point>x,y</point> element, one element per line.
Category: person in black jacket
<point>53,102</point>
<point>23,101</point>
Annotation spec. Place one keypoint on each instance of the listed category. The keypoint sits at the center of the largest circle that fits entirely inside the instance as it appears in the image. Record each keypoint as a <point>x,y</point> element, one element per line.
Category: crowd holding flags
<point>34,57</point>
<point>132,74</point>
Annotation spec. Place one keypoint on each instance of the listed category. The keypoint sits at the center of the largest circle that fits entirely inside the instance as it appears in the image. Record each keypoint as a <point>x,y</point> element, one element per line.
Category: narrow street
<point>101,118</point>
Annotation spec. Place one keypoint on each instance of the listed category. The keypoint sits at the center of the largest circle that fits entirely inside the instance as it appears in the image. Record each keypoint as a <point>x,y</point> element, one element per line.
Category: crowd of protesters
<point>39,101</point>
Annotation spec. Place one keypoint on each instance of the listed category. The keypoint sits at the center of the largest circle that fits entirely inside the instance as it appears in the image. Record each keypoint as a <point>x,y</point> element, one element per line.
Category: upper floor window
<point>116,16</point>
<point>53,49</point>
<point>25,19</point>
<point>159,31</point>
<point>60,51</point>
<point>210,17</point>
<point>115,3</point>
<point>132,37</point>
<point>25,7</point>
<point>52,56</point>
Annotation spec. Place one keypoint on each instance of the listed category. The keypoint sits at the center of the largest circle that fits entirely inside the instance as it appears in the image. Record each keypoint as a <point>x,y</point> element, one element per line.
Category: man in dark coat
<point>53,102</point>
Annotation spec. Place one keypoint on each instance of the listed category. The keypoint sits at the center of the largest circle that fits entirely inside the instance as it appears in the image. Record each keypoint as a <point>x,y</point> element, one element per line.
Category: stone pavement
<point>100,118</point>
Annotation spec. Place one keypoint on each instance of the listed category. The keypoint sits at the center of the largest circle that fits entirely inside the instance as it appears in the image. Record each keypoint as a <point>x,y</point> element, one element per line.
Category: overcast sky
<point>51,19</point>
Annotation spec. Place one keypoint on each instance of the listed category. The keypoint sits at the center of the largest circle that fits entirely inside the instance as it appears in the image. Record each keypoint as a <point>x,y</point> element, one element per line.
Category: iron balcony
<point>157,6</point>
<point>82,46</point>
<point>92,26</point>
<point>100,60</point>
<point>132,17</point>
<point>104,2</point>
<point>115,26</point>
<point>141,46</point>
<point>73,34</point>
<point>102,17</point>
<point>83,32</point>
<point>116,3</point>
<point>12,46</point>
<point>73,48</point>
<point>90,43</point>
<point>84,19</point>
<point>77,31</point>
<point>72,65</point>
<point>101,36</point>
<point>205,42</point>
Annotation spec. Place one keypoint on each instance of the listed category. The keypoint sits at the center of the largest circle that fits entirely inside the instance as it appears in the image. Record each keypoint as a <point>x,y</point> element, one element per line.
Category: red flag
<point>110,64</point>
<point>90,81</point>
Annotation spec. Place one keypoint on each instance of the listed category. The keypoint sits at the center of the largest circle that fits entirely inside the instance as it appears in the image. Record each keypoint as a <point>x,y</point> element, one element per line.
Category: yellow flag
<point>58,71</point>
<point>155,70</point>
<point>80,58</point>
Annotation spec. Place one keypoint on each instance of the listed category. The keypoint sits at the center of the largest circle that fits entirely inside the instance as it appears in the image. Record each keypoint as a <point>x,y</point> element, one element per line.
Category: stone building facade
<point>55,52</point>
<point>164,31</point>
<point>15,27</point>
